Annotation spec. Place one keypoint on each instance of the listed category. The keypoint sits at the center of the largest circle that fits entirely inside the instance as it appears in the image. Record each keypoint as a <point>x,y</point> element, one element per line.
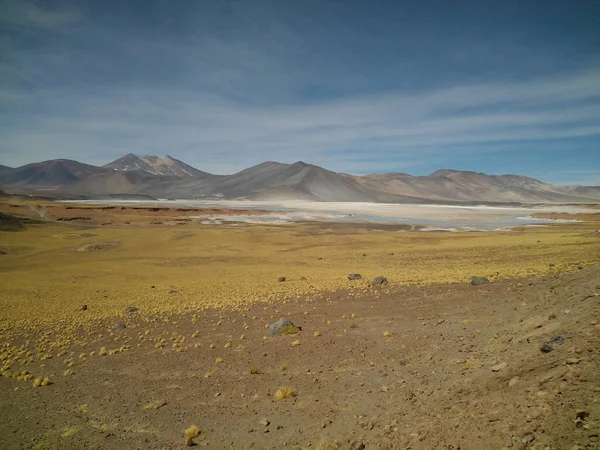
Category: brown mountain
<point>48,174</point>
<point>169,178</point>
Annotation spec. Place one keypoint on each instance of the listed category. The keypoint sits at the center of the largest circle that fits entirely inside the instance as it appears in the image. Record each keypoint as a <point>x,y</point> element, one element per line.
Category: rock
<point>354,276</point>
<point>120,326</point>
<point>550,344</point>
<point>551,265</point>
<point>281,279</point>
<point>357,445</point>
<point>513,381</point>
<point>498,367</point>
<point>552,317</point>
<point>2,252</point>
<point>276,327</point>
<point>572,361</point>
<point>265,422</point>
<point>302,278</point>
<point>581,414</point>
<point>130,309</point>
<point>83,308</point>
<point>326,423</point>
<point>528,438</point>
<point>379,281</point>
<point>477,281</point>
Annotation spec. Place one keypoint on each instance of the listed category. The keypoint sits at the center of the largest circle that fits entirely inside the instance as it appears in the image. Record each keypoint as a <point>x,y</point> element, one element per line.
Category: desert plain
<point>121,326</point>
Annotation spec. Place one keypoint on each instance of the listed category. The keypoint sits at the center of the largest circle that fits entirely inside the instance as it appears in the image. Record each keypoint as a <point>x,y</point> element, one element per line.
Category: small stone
<point>354,276</point>
<point>379,281</point>
<point>120,326</point>
<point>217,394</point>
<point>130,309</point>
<point>572,361</point>
<point>326,423</point>
<point>477,281</point>
<point>281,279</point>
<point>498,367</point>
<point>83,308</point>
<point>357,445</point>
<point>276,327</point>
<point>552,317</point>
<point>581,414</point>
<point>551,265</point>
<point>265,422</point>
<point>513,381</point>
<point>528,438</point>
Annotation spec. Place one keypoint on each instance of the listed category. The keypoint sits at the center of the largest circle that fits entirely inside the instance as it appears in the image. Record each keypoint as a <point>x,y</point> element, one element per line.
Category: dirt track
<point>430,384</point>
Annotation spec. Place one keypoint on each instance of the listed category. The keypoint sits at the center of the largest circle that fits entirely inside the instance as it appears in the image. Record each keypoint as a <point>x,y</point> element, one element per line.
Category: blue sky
<point>354,86</point>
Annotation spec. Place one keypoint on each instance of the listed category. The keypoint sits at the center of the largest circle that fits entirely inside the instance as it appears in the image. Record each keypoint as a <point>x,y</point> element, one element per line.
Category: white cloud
<point>218,134</point>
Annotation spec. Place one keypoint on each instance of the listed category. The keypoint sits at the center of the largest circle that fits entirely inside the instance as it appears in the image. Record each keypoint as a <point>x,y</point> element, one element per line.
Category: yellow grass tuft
<point>284,392</point>
<point>190,433</point>
<point>289,331</point>
<point>103,351</point>
<point>328,445</point>
<point>387,333</point>
<point>68,432</point>
<point>218,360</point>
<point>317,333</point>
<point>46,382</point>
<point>295,343</point>
<point>284,367</point>
<point>254,370</point>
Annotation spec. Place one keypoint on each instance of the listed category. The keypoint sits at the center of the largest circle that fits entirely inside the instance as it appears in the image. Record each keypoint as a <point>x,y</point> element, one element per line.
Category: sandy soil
<point>427,361</point>
<point>460,368</point>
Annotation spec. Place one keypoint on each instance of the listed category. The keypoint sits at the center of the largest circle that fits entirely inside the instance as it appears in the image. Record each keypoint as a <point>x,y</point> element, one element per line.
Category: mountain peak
<point>155,165</point>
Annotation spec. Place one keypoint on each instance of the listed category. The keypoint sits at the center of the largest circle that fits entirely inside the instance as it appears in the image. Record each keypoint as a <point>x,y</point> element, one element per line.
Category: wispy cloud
<point>217,133</point>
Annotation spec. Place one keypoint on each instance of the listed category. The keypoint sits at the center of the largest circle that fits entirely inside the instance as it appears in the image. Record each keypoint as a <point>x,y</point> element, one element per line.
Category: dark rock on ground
<point>130,309</point>
<point>477,281</point>
<point>354,276</point>
<point>120,326</point>
<point>550,344</point>
<point>276,327</point>
<point>83,307</point>
<point>357,445</point>
<point>281,279</point>
<point>379,281</point>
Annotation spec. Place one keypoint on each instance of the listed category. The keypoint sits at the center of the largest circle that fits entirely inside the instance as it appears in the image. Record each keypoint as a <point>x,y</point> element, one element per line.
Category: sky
<point>353,86</point>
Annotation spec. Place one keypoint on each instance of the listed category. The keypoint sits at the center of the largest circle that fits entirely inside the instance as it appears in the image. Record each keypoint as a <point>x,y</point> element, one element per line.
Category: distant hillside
<point>460,186</point>
<point>168,177</point>
<point>52,173</point>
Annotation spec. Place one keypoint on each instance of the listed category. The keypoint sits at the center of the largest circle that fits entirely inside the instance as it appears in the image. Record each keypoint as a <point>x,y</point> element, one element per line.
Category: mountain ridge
<point>168,177</point>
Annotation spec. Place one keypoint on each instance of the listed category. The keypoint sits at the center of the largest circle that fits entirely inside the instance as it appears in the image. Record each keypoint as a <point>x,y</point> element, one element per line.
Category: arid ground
<point>426,361</point>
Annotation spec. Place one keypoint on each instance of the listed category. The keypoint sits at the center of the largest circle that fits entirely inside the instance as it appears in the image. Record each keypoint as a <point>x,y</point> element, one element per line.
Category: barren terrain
<point>426,361</point>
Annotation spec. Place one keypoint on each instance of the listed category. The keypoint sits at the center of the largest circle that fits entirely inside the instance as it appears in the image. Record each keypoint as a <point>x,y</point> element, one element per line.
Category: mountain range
<point>167,177</point>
